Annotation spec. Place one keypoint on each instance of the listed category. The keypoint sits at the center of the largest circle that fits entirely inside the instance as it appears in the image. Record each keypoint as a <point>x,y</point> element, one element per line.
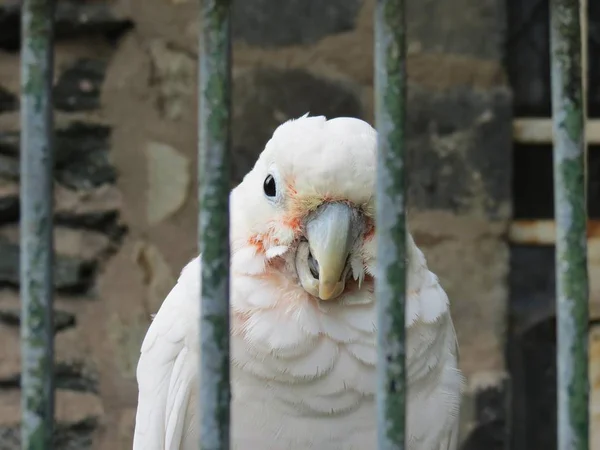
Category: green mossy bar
<point>390,118</point>
<point>572,290</point>
<point>37,334</point>
<point>214,157</point>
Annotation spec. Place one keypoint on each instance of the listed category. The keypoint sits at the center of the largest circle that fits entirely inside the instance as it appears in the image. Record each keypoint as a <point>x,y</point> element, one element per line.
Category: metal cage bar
<point>390,118</point>
<point>572,291</point>
<point>36,263</point>
<point>214,149</point>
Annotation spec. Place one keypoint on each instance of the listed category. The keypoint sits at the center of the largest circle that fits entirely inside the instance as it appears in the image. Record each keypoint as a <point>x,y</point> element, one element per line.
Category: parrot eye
<point>269,186</point>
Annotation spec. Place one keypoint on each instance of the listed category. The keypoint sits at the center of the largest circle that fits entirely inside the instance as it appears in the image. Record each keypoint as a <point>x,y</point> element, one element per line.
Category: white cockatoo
<point>303,315</point>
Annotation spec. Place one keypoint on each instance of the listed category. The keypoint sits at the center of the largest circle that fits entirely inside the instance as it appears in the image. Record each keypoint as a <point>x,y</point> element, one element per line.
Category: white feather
<point>166,371</point>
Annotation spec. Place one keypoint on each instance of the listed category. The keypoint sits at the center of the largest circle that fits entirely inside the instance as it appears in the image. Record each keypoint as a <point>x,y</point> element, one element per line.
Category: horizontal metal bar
<point>543,232</point>
<point>529,130</point>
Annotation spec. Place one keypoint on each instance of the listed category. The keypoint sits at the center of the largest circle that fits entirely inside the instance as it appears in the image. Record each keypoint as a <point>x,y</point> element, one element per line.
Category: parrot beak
<point>323,262</point>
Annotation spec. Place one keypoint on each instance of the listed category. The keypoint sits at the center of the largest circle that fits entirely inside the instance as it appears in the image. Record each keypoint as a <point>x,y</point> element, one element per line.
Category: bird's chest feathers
<point>306,356</point>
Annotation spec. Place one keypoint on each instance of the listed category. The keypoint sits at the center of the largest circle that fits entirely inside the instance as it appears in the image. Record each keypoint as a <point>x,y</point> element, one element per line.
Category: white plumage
<point>303,367</point>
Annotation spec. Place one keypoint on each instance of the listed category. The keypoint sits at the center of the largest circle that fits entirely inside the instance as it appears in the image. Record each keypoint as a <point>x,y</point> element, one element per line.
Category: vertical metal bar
<point>390,116</point>
<point>214,148</point>
<point>583,17</point>
<point>37,335</point>
<point>571,217</point>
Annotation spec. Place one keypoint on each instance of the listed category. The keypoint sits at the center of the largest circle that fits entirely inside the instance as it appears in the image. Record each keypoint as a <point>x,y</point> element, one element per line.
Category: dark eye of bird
<point>269,186</point>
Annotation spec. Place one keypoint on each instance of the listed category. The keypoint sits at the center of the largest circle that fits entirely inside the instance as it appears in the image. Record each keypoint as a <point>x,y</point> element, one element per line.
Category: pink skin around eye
<point>293,221</point>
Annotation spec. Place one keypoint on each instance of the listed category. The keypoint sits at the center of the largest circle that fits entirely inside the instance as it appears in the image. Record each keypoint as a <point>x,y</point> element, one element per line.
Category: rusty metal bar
<point>543,232</point>
<point>572,289</point>
<point>214,149</point>
<point>37,333</point>
<point>390,119</point>
<point>538,130</point>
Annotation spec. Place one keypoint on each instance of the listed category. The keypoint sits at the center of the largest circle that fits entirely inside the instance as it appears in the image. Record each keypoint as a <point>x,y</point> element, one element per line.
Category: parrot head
<point>303,257</point>
<point>305,213</point>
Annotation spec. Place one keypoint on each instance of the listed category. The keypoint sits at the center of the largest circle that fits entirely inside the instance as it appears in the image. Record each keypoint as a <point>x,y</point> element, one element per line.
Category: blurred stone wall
<point>125,99</point>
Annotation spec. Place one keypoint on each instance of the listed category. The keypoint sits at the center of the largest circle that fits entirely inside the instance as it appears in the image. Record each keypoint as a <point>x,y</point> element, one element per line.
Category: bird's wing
<point>436,381</point>
<point>167,367</point>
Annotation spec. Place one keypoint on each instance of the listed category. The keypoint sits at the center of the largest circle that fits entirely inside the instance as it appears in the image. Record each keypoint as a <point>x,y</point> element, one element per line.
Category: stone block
<point>169,181</point>
<point>459,145</point>
<point>470,258</point>
<point>77,416</point>
<point>79,86</point>
<point>74,369</point>
<point>81,155</point>
<point>466,27</point>
<point>8,101</point>
<point>271,23</point>
<point>97,209</point>
<point>9,202</point>
<point>174,74</point>
<point>73,18</point>
<point>10,314</point>
<point>77,254</point>
<point>158,277</point>
<point>71,274</point>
